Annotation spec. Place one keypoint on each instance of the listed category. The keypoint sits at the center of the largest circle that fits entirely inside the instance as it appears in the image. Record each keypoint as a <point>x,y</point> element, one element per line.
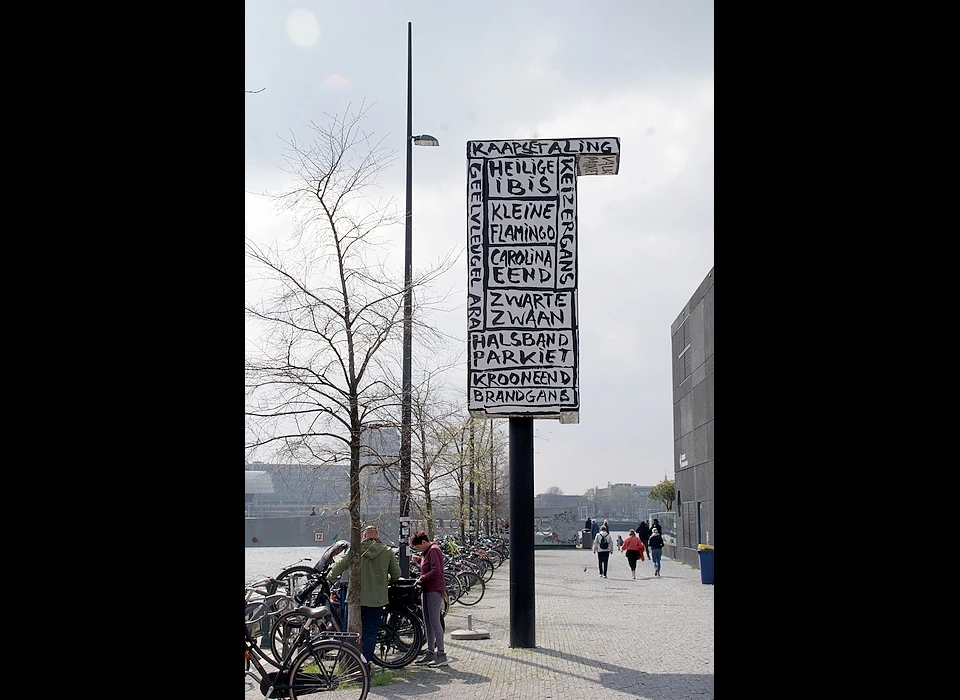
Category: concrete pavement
<point>596,638</point>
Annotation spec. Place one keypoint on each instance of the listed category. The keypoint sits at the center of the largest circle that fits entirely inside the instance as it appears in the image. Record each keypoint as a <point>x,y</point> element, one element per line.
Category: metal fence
<point>668,520</point>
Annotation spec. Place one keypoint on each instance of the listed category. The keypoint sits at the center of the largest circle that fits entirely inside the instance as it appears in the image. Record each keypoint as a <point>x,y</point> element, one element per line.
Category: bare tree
<point>471,473</point>
<point>331,312</point>
<point>432,468</point>
<point>431,414</point>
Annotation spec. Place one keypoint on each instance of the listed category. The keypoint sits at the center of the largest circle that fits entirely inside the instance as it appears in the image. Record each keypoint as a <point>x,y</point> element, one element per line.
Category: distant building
<point>623,501</point>
<point>693,394</point>
<point>277,490</point>
<point>554,500</point>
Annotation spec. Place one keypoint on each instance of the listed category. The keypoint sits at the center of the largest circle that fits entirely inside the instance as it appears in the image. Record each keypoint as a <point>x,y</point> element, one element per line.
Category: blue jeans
<point>372,618</point>
<point>655,555</point>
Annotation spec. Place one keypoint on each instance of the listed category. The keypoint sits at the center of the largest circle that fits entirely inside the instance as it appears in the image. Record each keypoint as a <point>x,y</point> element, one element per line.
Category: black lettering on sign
<point>539,310</point>
<point>505,349</point>
<point>534,398</point>
<point>523,378</point>
<point>522,271</point>
<point>527,267</point>
<point>567,247</point>
<point>475,242</point>
<point>521,177</point>
<point>516,221</point>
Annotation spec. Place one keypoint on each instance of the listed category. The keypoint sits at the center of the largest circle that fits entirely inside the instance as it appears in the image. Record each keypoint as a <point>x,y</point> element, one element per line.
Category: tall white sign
<point>522,273</point>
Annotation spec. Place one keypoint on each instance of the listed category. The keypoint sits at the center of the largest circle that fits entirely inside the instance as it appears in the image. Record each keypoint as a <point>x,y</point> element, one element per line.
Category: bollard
<point>470,633</point>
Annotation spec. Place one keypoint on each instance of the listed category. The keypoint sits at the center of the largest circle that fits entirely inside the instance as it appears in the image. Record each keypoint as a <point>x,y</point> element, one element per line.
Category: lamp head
<point>425,140</point>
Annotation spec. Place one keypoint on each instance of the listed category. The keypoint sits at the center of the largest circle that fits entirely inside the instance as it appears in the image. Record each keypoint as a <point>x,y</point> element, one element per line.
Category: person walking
<point>434,585</point>
<point>620,542</point>
<point>602,546</point>
<point>633,549</point>
<point>643,532</point>
<point>656,549</point>
<point>378,569</point>
<point>654,524</point>
<point>594,529</point>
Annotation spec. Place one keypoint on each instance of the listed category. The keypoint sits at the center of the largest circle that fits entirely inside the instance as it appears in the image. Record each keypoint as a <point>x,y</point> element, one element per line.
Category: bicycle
<point>295,576</point>
<point>330,663</point>
<point>401,633</point>
<point>261,614</point>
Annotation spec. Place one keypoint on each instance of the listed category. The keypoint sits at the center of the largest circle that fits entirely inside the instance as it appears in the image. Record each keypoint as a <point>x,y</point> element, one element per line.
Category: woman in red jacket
<point>633,548</point>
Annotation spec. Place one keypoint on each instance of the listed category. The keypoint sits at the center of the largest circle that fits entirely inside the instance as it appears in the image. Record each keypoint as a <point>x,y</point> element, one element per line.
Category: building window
<point>683,359</point>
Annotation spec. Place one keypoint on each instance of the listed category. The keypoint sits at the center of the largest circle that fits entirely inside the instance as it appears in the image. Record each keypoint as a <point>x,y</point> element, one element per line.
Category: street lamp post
<point>422,140</point>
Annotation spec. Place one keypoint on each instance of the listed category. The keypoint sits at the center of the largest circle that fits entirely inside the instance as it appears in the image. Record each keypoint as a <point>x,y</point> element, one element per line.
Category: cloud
<point>335,80</point>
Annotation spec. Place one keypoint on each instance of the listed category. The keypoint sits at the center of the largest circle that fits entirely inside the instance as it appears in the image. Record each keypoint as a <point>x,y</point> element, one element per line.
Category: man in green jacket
<point>378,569</point>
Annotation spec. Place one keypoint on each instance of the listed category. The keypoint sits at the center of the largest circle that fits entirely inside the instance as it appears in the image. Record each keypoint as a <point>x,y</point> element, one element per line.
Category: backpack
<point>604,541</point>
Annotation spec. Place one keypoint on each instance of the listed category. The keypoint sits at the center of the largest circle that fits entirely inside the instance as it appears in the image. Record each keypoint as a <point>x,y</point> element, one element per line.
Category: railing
<point>668,521</point>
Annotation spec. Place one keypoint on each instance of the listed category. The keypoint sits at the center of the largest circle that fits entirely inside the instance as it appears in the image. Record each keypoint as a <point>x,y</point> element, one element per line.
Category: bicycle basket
<point>403,592</point>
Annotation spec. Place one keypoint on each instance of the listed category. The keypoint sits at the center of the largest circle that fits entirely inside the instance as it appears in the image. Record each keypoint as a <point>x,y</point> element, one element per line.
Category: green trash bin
<point>706,562</point>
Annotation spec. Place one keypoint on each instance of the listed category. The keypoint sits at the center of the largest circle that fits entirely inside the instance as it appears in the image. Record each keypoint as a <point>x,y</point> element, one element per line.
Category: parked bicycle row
<point>303,611</point>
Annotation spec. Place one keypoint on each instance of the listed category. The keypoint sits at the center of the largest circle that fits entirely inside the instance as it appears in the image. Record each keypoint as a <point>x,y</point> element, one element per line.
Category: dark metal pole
<point>491,520</point>
<point>407,318</point>
<point>471,523</point>
<point>523,600</point>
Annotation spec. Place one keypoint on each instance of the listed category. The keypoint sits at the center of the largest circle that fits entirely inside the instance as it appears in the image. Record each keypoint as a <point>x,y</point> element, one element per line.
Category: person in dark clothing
<point>434,586</point>
<point>643,532</point>
<point>656,549</point>
<point>655,525</point>
<point>602,546</point>
<point>588,525</point>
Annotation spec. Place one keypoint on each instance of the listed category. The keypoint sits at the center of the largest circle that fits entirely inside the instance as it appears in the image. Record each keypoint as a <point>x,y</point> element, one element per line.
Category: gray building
<point>280,490</point>
<point>693,393</point>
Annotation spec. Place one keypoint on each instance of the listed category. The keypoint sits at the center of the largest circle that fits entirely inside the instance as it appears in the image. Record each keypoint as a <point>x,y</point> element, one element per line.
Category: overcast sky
<point>641,71</point>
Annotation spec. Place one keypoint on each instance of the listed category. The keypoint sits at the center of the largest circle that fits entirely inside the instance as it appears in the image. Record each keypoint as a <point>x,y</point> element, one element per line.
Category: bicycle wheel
<point>285,630</point>
<point>260,618</point>
<point>399,640</point>
<point>453,586</point>
<point>472,588</point>
<point>495,558</point>
<point>487,573</point>
<point>334,668</point>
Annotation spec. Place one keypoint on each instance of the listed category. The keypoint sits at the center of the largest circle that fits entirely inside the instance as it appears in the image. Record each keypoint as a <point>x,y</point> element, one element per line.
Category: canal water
<point>260,562</point>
